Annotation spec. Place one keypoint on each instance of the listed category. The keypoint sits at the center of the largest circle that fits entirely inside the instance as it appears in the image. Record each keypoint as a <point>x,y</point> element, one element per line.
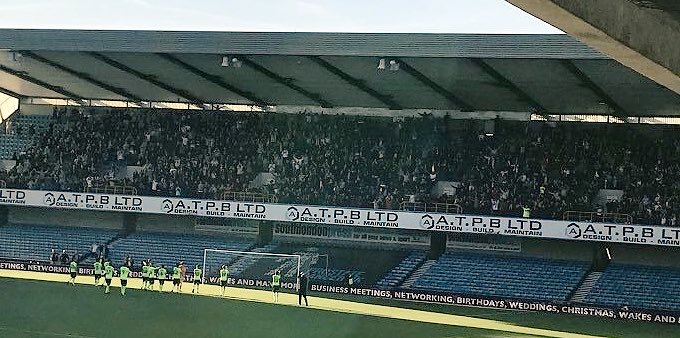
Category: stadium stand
<point>239,265</point>
<point>363,161</point>
<point>637,287</point>
<point>458,272</point>
<point>169,248</point>
<point>21,132</point>
<point>399,273</point>
<point>345,259</point>
<point>511,277</point>
<point>33,242</point>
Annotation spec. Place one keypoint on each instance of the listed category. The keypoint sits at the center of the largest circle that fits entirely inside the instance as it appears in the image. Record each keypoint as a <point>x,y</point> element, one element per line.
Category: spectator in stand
<point>129,262</point>
<point>64,257</point>
<point>54,257</point>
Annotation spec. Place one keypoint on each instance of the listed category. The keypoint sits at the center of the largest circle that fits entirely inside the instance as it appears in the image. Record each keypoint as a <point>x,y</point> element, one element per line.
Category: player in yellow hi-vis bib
<point>197,278</point>
<point>73,270</point>
<point>108,276</point>
<point>124,273</point>
<point>276,285</point>
<point>145,275</point>
<point>98,271</point>
<point>224,273</point>
<point>161,275</point>
<point>176,275</point>
<point>152,274</point>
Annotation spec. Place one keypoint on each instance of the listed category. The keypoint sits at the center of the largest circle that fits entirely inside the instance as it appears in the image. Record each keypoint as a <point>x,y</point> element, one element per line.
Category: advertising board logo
<point>49,199</point>
<point>427,222</point>
<point>573,230</point>
<point>292,214</point>
<point>167,206</point>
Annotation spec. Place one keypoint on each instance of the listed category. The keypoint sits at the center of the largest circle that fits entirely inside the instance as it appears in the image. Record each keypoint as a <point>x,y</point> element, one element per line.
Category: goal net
<point>253,269</point>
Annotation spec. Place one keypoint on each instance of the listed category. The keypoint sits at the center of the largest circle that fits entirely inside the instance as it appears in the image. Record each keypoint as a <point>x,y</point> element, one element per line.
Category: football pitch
<point>34,304</point>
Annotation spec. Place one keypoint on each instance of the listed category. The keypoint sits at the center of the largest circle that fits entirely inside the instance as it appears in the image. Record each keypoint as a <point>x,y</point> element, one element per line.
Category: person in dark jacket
<point>55,257</point>
<point>302,288</point>
<point>64,257</point>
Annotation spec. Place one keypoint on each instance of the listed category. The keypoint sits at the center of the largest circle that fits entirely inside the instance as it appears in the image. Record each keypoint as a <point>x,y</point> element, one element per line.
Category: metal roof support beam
<point>508,84</point>
<point>216,80</point>
<point>24,76</point>
<point>578,73</point>
<point>464,106</point>
<point>148,78</point>
<point>11,93</point>
<point>288,82</point>
<point>387,100</point>
<point>83,76</point>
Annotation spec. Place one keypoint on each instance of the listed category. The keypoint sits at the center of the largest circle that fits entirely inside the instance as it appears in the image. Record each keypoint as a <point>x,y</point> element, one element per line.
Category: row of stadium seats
<point>168,249</point>
<point>397,275</point>
<point>635,286</point>
<point>33,242</point>
<point>513,277</point>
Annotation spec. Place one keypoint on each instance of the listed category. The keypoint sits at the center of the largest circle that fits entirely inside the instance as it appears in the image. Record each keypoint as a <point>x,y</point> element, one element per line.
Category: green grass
<point>48,309</point>
<point>557,322</point>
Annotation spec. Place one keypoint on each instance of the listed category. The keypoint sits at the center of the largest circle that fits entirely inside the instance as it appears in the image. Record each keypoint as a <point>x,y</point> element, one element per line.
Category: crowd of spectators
<point>62,258</point>
<point>362,161</point>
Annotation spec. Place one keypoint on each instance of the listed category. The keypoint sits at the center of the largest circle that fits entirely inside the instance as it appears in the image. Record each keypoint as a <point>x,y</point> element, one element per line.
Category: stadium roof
<point>554,74</point>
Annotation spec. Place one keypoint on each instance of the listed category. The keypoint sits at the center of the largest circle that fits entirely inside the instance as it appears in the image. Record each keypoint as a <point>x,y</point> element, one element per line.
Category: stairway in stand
<point>419,272</point>
<point>585,287</point>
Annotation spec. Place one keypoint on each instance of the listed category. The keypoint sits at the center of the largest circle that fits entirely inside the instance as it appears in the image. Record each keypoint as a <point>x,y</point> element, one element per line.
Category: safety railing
<point>597,217</point>
<point>445,208</point>
<point>244,196</point>
<point>112,189</point>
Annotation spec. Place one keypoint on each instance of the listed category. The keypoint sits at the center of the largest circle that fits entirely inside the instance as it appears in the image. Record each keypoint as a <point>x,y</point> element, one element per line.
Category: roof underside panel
<point>247,79</point>
<point>26,88</point>
<point>54,76</point>
<point>638,94</point>
<point>546,73</point>
<point>399,85</point>
<point>176,77</point>
<point>311,76</point>
<point>106,73</point>
<point>469,82</point>
<point>551,85</point>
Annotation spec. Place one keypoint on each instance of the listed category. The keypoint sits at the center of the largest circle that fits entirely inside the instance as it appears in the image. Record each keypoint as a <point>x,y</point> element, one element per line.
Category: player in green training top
<point>176,273</point>
<point>98,270</point>
<point>73,269</point>
<point>108,276</point>
<point>224,273</point>
<point>197,278</point>
<point>162,275</point>
<point>152,275</point>
<point>145,275</point>
<point>105,263</point>
<point>124,273</point>
<point>276,285</point>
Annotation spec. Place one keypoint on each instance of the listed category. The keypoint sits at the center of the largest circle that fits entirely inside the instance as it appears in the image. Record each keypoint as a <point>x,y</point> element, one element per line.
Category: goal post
<point>251,265</point>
